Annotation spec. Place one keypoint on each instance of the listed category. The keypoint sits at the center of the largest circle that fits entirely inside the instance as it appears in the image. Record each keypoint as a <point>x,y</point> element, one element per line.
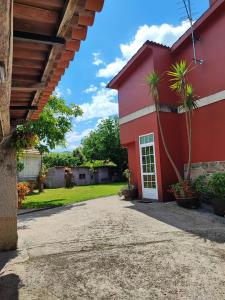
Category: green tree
<point>61,160</point>
<point>78,154</point>
<point>53,124</point>
<point>104,144</point>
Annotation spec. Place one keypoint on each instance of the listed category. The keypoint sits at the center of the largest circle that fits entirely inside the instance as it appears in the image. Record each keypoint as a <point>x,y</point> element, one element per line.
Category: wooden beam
<point>6,53</point>
<point>28,12</point>
<point>50,5</point>
<point>29,88</point>
<point>62,30</point>
<point>27,63</point>
<point>30,54</point>
<point>24,107</point>
<point>38,38</point>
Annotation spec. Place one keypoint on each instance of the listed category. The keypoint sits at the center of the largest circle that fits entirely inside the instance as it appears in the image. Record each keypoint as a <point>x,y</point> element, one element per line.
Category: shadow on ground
<point>9,283</point>
<point>200,222</point>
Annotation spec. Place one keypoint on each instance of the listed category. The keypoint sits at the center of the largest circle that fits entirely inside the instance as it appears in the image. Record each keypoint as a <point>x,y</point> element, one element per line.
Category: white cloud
<point>164,34</point>
<point>96,59</point>
<point>102,105</point>
<point>73,138</point>
<point>57,92</point>
<point>69,92</point>
<point>103,84</point>
<point>112,68</point>
<point>91,89</point>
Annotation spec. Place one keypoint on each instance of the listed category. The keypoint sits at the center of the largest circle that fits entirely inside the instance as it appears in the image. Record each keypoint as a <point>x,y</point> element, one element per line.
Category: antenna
<point>187,5</point>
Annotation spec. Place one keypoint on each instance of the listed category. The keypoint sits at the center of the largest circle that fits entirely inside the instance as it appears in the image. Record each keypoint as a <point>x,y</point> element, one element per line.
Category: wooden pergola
<point>38,39</point>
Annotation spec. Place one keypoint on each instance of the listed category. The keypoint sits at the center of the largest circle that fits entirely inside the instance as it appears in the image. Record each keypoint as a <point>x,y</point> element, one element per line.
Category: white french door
<point>148,167</point>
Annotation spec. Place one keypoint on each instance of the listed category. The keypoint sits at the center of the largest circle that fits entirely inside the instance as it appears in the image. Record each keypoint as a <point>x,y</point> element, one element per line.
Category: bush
<point>23,190</point>
<point>61,160</point>
<point>129,192</point>
<point>216,184</point>
<point>201,184</point>
<point>181,190</point>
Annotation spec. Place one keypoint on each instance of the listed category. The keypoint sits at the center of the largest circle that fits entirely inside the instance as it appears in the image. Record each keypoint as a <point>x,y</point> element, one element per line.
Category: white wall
<point>32,165</point>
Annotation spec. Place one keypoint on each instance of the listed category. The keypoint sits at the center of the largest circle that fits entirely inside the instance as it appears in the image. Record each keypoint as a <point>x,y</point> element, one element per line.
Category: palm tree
<point>153,80</point>
<point>180,85</point>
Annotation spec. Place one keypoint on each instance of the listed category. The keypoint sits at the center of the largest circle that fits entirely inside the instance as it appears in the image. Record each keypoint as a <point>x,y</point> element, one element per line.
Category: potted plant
<point>178,76</point>
<point>217,187</point>
<point>42,178</point>
<point>184,194</point>
<point>129,192</point>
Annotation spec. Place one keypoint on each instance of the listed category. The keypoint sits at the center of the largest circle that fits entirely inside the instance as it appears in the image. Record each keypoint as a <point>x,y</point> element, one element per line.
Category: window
<point>147,139</point>
<point>82,176</point>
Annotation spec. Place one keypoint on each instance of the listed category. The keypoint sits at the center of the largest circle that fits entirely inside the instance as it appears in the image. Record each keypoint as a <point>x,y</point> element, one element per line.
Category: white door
<point>148,167</point>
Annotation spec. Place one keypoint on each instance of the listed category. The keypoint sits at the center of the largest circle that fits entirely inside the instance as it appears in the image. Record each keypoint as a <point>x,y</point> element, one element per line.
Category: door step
<point>147,200</point>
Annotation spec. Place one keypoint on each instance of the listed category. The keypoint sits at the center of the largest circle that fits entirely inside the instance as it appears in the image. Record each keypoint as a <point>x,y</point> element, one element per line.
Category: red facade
<point>136,109</point>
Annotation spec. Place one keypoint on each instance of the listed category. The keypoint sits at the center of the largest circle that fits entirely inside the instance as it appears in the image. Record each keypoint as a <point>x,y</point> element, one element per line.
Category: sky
<point>118,32</point>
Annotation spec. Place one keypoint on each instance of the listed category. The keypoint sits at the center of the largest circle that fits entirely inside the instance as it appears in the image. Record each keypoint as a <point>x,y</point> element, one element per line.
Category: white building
<point>32,164</point>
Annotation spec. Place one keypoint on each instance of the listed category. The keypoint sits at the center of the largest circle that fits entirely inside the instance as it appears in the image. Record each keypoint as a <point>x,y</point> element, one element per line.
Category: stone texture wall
<point>203,168</point>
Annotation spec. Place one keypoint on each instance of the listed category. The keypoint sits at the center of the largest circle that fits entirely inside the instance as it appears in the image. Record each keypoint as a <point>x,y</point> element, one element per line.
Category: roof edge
<point>113,84</point>
<point>197,24</point>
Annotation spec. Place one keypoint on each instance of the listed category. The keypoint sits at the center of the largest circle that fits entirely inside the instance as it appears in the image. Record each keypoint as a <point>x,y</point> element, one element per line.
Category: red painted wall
<point>134,92</point>
<point>130,133</point>
<point>207,79</point>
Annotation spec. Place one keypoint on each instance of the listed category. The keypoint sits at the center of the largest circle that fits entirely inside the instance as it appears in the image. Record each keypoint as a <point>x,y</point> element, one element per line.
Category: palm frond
<point>189,102</point>
<point>153,80</point>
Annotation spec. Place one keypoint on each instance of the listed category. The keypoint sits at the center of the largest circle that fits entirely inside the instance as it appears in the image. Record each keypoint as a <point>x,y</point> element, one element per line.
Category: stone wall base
<point>8,233</point>
<point>203,168</point>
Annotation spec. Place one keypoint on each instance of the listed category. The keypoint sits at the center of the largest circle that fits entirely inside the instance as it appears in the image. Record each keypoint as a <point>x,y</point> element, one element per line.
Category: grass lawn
<point>62,196</point>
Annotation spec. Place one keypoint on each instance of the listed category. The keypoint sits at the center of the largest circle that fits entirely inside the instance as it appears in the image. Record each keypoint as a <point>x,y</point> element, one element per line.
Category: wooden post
<point>8,193</point>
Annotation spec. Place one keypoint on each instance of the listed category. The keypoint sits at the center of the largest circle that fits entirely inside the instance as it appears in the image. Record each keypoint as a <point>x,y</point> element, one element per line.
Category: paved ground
<point>112,249</point>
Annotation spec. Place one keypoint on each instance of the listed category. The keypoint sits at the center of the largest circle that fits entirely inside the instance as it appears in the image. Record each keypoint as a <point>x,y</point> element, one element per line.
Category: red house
<point>151,170</point>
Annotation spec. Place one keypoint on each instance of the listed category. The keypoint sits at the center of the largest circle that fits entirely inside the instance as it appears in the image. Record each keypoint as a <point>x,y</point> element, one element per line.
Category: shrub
<point>129,192</point>
<point>201,184</point>
<point>23,190</point>
<point>216,184</point>
<point>181,190</point>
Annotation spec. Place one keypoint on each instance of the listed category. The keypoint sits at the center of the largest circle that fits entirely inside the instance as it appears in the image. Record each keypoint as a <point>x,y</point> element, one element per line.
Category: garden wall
<point>81,176</point>
<point>203,168</point>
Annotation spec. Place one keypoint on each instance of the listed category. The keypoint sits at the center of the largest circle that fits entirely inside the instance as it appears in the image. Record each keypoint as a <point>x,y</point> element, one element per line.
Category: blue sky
<point>118,32</point>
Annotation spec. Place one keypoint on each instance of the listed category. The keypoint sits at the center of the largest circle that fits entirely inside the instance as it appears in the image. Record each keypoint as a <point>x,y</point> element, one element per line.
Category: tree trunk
<point>8,199</point>
<point>179,177</point>
<point>188,174</point>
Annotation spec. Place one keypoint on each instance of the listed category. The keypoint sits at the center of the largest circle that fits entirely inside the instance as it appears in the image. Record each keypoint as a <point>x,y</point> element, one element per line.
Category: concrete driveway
<point>113,249</point>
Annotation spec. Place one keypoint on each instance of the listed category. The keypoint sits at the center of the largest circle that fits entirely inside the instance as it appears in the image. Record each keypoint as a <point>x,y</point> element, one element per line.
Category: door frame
<point>140,156</point>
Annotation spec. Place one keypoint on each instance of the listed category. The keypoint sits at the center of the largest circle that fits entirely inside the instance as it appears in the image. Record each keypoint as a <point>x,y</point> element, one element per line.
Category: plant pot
<point>188,202</point>
<point>218,205</point>
<point>130,194</point>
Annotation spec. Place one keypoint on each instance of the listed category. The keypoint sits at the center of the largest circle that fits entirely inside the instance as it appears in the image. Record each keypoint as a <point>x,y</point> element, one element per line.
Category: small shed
<point>82,176</point>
